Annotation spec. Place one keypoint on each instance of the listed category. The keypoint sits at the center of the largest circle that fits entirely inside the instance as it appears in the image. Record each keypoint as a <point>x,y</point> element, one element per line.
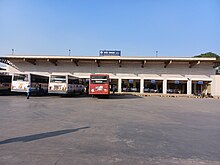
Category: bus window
<point>20,77</point>
<point>99,79</point>
<point>57,79</point>
<point>39,79</point>
<point>73,81</point>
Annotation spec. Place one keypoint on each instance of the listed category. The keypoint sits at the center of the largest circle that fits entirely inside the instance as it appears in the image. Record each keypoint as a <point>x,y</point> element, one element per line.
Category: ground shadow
<point>75,96</point>
<point>111,96</point>
<point>34,137</point>
<point>7,94</point>
<point>121,96</point>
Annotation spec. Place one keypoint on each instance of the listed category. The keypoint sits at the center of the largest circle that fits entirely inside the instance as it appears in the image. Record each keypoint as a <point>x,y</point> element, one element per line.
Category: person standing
<point>28,91</point>
<point>114,89</point>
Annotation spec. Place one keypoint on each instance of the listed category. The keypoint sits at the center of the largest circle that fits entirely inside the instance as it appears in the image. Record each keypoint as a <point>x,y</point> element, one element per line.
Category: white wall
<point>215,86</point>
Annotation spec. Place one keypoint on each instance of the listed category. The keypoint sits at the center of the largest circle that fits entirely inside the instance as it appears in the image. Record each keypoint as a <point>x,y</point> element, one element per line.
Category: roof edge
<point>111,58</point>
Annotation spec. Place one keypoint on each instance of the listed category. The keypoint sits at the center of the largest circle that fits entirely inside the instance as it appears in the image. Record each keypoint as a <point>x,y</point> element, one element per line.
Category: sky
<point>174,28</point>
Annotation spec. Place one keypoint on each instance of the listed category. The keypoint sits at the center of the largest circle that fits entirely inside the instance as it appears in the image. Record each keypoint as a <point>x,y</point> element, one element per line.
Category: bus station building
<point>163,75</point>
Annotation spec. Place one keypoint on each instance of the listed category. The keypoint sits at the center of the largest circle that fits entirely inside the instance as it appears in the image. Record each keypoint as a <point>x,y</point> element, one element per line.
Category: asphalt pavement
<point>55,130</point>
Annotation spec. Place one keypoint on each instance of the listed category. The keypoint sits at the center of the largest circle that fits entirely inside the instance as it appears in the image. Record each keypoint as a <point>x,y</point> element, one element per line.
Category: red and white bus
<point>99,85</point>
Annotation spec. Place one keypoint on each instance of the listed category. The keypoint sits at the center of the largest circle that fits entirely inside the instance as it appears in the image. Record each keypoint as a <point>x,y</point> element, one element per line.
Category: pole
<point>156,53</point>
<point>69,52</point>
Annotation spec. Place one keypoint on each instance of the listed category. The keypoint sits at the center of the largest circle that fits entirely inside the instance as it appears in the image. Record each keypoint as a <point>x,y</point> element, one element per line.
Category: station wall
<point>127,70</point>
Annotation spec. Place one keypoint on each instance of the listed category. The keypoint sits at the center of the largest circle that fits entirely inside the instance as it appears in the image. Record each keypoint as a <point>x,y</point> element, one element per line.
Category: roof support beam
<point>143,63</point>
<point>98,62</point>
<point>166,63</point>
<point>75,61</point>
<point>52,61</point>
<point>193,63</point>
<point>7,62</point>
<point>119,63</point>
<point>32,61</point>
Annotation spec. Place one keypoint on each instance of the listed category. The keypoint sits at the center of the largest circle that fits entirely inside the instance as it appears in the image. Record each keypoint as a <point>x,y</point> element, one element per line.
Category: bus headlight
<point>105,90</point>
<point>92,90</point>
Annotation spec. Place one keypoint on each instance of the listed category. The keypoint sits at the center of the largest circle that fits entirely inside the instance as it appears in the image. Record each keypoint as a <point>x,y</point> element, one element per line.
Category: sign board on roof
<point>109,53</point>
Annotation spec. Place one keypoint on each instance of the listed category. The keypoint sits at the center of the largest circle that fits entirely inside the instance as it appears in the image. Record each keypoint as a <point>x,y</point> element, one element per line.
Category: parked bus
<point>65,84</point>
<point>99,84</point>
<point>38,83</point>
<point>5,83</point>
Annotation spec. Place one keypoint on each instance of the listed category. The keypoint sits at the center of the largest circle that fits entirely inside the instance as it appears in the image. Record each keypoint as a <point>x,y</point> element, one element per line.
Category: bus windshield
<point>58,79</point>
<point>20,77</point>
<point>99,79</point>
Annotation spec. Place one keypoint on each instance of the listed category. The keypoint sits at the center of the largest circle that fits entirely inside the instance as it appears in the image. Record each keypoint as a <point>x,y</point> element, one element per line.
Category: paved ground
<point>119,130</point>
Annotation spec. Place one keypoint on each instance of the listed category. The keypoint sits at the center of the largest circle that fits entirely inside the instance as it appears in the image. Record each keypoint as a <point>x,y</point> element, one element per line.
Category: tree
<point>209,54</point>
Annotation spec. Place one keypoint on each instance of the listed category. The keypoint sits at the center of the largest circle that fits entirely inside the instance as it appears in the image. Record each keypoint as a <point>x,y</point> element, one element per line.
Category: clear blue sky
<point>136,27</point>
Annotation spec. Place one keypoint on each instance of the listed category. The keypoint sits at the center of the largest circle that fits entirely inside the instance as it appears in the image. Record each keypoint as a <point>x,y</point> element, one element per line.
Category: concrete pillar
<point>142,85</point>
<point>189,87</point>
<point>206,89</point>
<point>215,87</point>
<point>119,85</point>
<point>165,86</point>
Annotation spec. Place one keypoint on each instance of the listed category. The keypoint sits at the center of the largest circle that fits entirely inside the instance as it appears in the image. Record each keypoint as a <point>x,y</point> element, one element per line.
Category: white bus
<point>38,83</point>
<point>65,84</point>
